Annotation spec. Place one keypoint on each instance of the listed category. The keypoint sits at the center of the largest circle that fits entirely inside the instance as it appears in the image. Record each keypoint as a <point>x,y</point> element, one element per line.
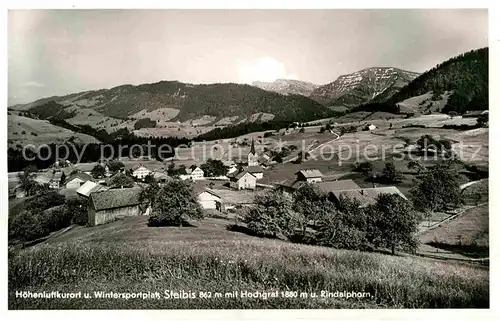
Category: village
<point>98,185</point>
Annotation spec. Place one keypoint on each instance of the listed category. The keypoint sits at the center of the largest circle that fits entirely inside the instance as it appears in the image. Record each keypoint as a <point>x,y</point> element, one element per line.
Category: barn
<point>107,205</point>
<point>78,179</point>
<point>208,199</point>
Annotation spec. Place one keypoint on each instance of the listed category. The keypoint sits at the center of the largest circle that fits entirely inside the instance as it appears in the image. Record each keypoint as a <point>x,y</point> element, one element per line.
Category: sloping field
<point>467,234</point>
<point>24,130</point>
<point>127,256</point>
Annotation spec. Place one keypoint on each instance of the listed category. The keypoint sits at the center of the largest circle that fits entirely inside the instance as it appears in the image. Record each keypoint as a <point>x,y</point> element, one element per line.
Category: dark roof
<point>252,147</point>
<point>115,198</point>
<point>325,186</point>
<point>310,173</point>
<point>81,175</point>
<point>367,196</point>
<point>254,169</point>
<point>241,174</point>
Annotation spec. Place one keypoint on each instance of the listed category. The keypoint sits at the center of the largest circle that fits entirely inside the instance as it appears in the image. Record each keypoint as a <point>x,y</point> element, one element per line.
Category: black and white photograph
<point>247,159</point>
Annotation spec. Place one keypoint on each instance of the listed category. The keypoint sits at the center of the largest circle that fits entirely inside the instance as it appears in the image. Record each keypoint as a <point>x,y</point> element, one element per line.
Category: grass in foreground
<point>127,256</point>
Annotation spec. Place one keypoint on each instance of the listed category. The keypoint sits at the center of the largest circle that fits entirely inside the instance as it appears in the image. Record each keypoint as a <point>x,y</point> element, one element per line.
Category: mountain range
<point>459,84</point>
<point>377,83</point>
<point>287,86</point>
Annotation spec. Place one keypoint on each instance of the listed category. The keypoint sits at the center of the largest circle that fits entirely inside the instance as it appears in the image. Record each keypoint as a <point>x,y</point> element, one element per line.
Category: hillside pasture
<point>23,130</point>
<point>467,234</point>
<point>208,257</point>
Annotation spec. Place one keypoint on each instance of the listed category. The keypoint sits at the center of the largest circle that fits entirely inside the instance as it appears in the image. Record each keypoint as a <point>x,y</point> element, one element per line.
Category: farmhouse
<point>77,179</point>
<point>89,187</point>
<point>196,172</point>
<point>50,178</point>
<point>209,200</point>
<point>231,199</point>
<point>253,158</point>
<point>139,171</point>
<point>370,127</point>
<point>243,180</point>
<point>193,173</point>
<point>160,177</point>
<point>255,171</point>
<point>309,175</point>
<point>107,205</point>
<point>325,187</point>
<point>366,196</point>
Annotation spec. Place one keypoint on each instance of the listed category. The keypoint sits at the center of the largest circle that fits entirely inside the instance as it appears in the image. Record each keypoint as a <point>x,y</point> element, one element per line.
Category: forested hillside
<point>466,75</point>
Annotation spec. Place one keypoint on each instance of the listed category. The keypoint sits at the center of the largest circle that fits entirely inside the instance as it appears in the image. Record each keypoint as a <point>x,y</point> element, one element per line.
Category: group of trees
<point>144,123</point>
<point>390,174</point>
<point>214,168</point>
<point>308,216</point>
<point>44,213</point>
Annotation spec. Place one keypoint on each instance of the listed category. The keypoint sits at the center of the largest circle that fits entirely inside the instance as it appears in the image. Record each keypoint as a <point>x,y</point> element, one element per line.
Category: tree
<point>98,171</point>
<point>115,166</point>
<point>149,179</point>
<point>393,223</point>
<point>365,167</point>
<point>391,174</point>
<point>278,159</point>
<point>272,215</point>
<point>171,168</point>
<point>416,165</point>
<point>28,183</point>
<point>63,179</point>
<point>214,167</point>
<point>343,226</point>
<point>173,203</point>
<point>307,202</point>
<point>436,189</point>
<point>121,181</point>
<point>482,120</point>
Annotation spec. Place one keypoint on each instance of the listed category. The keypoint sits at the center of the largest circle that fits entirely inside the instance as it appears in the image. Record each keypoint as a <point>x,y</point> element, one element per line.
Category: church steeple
<point>252,148</point>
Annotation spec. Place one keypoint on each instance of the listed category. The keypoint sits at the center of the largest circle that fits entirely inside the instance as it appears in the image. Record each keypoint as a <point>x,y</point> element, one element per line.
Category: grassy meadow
<point>128,256</point>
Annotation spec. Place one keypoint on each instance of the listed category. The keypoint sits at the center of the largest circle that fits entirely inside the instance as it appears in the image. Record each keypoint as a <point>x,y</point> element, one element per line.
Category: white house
<point>243,180</point>
<point>370,127</point>
<point>309,175</point>
<point>208,199</point>
<point>78,179</point>
<point>196,173</point>
<point>255,171</point>
<point>140,172</point>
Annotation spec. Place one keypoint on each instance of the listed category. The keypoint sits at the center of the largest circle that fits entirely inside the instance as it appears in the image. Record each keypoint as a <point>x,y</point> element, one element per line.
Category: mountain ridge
<point>363,86</point>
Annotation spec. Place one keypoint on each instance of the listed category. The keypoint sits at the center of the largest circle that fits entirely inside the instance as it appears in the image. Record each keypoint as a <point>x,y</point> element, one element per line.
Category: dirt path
<point>464,186</point>
<point>315,148</point>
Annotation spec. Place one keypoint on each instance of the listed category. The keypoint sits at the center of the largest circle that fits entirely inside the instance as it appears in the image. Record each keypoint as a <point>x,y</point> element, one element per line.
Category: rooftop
<point>90,187</point>
<point>115,198</point>
<point>367,196</point>
<point>310,173</point>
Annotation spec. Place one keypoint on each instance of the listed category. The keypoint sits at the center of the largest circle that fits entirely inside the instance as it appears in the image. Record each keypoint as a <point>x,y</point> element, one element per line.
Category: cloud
<point>33,84</point>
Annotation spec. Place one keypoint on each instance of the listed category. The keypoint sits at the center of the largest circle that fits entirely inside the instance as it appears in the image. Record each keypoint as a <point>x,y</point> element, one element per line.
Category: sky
<point>57,52</point>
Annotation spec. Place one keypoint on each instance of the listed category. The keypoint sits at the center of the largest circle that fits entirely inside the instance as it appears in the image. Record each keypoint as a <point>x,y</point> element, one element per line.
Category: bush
<point>390,174</point>
<point>436,189</point>
<point>365,167</point>
<point>272,215</point>
<point>173,203</point>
